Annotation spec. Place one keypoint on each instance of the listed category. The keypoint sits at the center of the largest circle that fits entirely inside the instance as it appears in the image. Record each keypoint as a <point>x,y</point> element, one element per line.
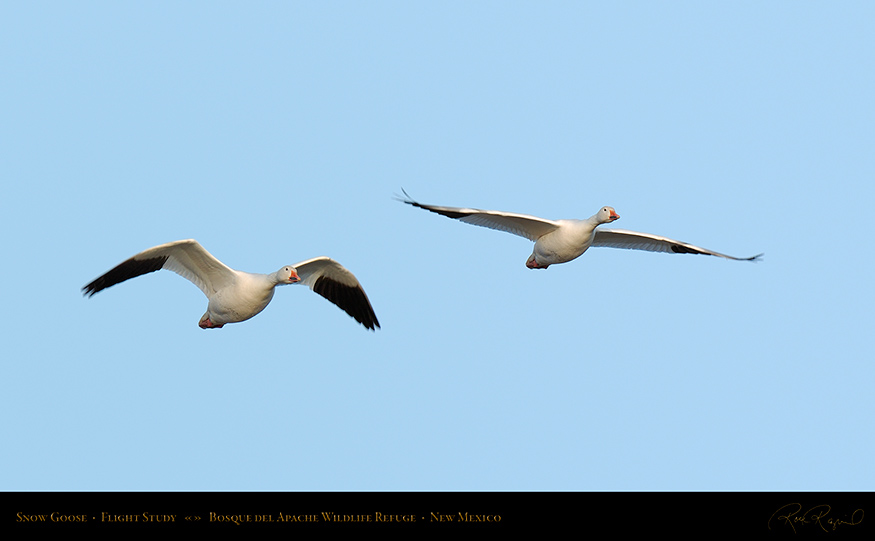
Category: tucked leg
<point>532,263</point>
<point>205,323</point>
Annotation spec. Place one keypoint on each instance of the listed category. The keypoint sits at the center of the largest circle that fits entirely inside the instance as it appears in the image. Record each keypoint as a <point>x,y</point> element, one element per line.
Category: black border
<point>800,514</point>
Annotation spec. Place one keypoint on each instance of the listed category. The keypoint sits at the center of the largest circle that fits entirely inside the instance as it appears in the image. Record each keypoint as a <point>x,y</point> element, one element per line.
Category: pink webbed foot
<point>205,323</point>
<point>533,264</point>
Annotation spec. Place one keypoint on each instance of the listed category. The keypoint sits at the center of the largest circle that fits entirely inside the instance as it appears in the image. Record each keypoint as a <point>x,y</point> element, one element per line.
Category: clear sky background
<point>279,131</point>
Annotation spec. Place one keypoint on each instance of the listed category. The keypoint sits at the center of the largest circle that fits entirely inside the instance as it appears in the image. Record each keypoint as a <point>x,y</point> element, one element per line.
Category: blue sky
<point>277,132</point>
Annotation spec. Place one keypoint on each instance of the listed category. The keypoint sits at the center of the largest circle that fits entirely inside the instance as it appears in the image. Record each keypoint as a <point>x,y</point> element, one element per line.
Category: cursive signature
<point>792,515</point>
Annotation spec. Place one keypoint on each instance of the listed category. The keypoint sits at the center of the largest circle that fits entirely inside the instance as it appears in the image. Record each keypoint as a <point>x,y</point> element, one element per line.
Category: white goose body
<point>236,296</point>
<point>250,295</point>
<point>560,241</point>
<point>567,242</point>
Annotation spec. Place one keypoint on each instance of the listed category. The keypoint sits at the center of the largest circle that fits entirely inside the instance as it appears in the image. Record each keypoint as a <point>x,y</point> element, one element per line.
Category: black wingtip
<point>351,300</point>
<point>443,212</point>
<point>405,199</point>
<point>124,271</point>
<point>680,249</point>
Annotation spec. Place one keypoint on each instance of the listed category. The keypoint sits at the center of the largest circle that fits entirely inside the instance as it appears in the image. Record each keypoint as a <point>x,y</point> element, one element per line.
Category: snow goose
<point>237,296</point>
<point>560,241</point>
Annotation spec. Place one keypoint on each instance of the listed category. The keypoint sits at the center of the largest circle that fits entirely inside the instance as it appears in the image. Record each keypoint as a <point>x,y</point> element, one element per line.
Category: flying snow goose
<point>560,241</point>
<point>237,296</point>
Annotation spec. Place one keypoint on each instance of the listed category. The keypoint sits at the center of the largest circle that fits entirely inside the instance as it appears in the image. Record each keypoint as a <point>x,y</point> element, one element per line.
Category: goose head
<point>287,275</point>
<point>607,215</point>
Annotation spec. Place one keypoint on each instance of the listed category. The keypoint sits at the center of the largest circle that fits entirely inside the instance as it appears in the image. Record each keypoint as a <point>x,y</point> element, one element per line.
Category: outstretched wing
<point>333,281</point>
<point>530,227</point>
<point>186,258</point>
<point>632,240</point>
